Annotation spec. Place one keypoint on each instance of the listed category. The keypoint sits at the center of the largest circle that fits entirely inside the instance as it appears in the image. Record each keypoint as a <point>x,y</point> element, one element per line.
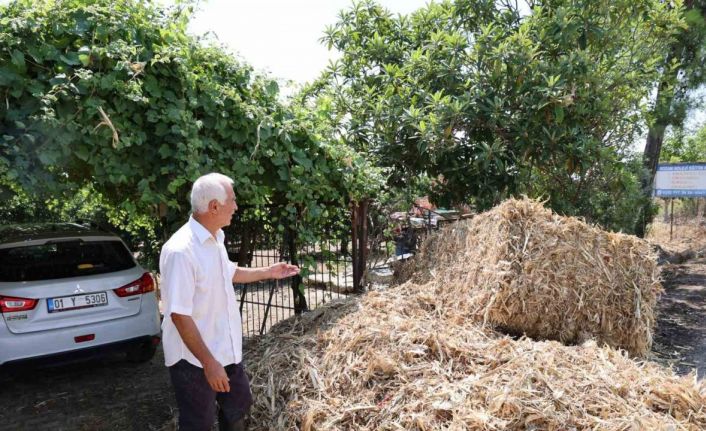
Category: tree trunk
<point>650,158</point>
<point>653,146</point>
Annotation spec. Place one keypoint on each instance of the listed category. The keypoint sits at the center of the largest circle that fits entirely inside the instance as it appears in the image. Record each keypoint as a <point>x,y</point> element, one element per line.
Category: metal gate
<point>336,263</point>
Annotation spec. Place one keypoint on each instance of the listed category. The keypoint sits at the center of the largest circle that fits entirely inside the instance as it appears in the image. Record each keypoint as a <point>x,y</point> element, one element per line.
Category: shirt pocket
<point>208,270</point>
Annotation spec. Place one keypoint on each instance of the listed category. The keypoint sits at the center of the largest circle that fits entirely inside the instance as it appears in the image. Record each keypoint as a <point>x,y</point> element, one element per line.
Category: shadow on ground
<point>107,394</point>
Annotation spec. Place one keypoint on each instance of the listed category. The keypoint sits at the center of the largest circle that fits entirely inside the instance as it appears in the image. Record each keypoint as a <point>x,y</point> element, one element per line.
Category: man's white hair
<point>207,188</point>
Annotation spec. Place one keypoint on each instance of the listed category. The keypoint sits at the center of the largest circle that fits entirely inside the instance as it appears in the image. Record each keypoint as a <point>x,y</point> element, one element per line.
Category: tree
<point>117,95</point>
<point>492,103</point>
<point>681,147</point>
<point>682,70</point>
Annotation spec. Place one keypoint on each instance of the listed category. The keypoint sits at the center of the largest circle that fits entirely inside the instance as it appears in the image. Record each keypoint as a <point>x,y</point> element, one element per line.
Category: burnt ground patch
<point>680,333</point>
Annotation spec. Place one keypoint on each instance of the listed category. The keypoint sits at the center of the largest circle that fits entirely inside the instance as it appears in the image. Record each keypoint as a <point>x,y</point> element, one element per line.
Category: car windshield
<point>62,259</point>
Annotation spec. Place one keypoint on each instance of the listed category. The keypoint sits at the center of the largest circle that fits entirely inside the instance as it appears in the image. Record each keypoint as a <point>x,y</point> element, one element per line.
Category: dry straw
<point>522,268</point>
<point>415,357</point>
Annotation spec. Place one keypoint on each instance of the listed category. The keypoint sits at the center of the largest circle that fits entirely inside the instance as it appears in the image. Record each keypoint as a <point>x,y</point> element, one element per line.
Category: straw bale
<point>407,359</point>
<point>526,270</point>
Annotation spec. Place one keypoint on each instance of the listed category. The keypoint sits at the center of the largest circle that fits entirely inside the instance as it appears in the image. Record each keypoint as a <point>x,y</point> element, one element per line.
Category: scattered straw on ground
<point>417,356</point>
<point>407,360</point>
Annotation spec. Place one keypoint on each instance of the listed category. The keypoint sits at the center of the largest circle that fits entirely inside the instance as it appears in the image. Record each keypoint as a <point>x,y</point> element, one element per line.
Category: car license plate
<point>84,300</point>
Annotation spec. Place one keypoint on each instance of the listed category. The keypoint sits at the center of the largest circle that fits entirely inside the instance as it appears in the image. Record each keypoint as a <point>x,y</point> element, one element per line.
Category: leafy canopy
<point>685,147</point>
<point>116,94</point>
<point>493,103</point>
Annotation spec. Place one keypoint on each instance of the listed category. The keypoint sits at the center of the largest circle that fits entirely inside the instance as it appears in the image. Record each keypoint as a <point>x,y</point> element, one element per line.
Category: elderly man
<point>202,335</point>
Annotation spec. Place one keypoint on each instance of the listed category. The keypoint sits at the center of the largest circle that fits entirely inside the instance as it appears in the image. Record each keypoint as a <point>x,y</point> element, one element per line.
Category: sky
<point>280,37</point>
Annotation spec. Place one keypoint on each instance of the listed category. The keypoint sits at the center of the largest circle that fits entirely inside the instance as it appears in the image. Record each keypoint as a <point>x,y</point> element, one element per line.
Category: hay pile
<point>526,270</point>
<point>414,357</point>
<point>405,359</point>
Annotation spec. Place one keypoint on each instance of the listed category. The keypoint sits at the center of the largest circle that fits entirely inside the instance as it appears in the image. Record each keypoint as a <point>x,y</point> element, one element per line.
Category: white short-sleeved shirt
<point>197,281</point>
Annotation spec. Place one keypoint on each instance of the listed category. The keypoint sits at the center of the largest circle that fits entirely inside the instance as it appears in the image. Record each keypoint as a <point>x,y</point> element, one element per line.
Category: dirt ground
<point>680,333</point>
<point>680,336</point>
<point>108,394</point>
<point>111,394</point>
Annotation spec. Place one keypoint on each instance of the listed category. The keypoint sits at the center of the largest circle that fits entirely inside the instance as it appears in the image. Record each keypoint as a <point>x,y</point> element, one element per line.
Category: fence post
<point>359,236</point>
<point>244,252</point>
<point>671,222</point>
<point>363,240</point>
<point>300,304</point>
<point>354,245</point>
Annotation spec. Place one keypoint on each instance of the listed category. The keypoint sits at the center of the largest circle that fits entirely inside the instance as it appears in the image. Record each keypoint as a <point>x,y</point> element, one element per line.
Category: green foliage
<point>492,103</point>
<point>85,206</point>
<point>680,147</point>
<point>116,94</point>
<point>16,206</point>
<point>608,196</point>
<point>682,69</point>
<point>682,72</point>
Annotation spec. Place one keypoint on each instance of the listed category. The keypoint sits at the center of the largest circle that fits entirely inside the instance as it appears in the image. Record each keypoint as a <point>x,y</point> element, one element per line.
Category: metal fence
<point>257,238</point>
<point>362,240</point>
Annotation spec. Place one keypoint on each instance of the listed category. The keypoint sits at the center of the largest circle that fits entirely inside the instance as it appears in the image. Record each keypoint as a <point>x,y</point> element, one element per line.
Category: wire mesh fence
<point>257,238</point>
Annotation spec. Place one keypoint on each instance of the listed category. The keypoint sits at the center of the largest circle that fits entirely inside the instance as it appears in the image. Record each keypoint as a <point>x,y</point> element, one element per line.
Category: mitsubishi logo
<point>78,289</point>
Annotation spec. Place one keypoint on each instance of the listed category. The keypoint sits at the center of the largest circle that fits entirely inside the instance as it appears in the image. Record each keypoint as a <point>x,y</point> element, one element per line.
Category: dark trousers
<point>197,401</point>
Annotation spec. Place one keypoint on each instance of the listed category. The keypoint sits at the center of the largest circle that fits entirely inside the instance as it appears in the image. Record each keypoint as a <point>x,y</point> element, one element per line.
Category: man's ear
<point>213,206</point>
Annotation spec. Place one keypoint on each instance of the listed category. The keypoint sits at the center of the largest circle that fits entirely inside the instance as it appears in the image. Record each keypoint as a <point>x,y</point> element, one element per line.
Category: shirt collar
<point>202,234</point>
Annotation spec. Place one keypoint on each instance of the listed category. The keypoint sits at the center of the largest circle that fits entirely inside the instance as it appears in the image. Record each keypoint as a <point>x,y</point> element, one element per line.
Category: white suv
<point>68,291</point>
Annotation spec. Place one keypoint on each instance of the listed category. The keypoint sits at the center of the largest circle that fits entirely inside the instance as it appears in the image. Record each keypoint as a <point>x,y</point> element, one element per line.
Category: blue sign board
<point>680,180</point>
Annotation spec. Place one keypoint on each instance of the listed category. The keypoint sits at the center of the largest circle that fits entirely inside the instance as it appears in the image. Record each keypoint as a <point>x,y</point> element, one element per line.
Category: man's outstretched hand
<point>283,270</point>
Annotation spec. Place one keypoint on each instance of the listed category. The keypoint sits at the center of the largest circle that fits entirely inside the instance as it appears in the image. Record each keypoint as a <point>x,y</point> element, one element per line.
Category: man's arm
<point>276,271</point>
<point>214,371</point>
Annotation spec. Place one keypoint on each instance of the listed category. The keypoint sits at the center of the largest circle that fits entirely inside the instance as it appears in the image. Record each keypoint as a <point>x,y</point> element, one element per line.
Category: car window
<point>62,259</point>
